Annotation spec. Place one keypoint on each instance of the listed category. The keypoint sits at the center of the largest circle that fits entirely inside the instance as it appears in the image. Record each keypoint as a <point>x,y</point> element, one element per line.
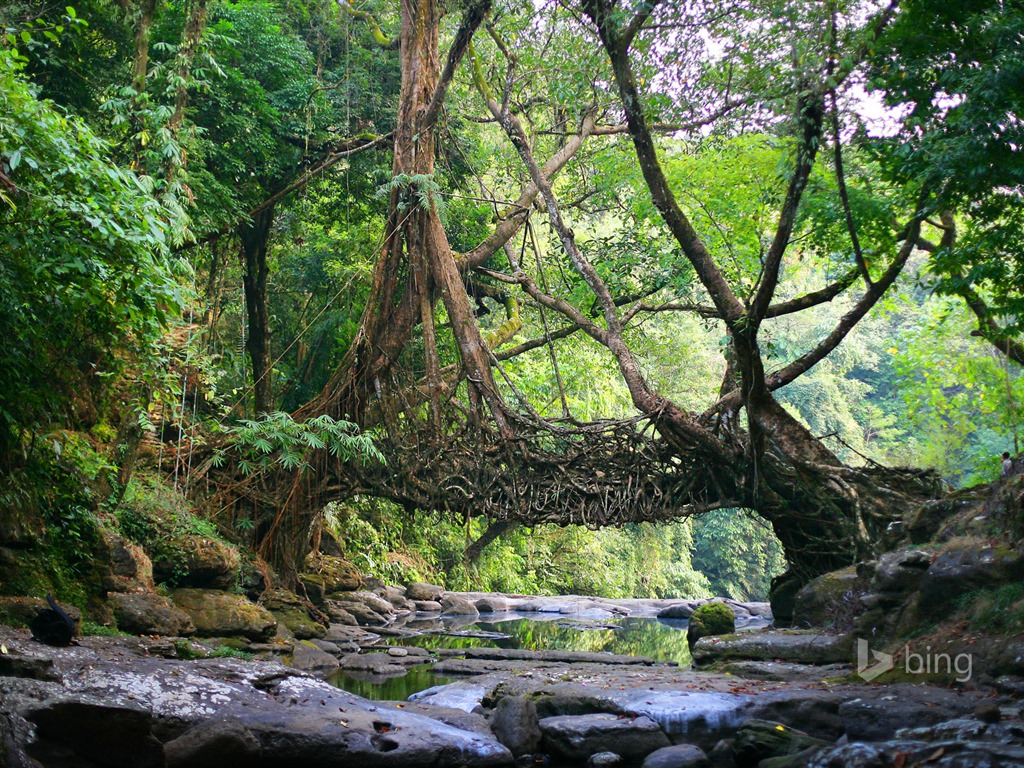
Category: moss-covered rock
<point>20,526</point>
<point>149,614</point>
<point>198,561</point>
<point>324,574</point>
<point>710,619</point>
<point>296,614</point>
<point>129,568</point>
<point>221,614</point>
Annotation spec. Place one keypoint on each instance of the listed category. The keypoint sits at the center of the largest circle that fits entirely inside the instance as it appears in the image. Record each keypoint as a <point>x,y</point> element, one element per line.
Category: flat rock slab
<point>124,706</point>
<point>784,671</point>
<point>790,645</point>
<point>487,666</point>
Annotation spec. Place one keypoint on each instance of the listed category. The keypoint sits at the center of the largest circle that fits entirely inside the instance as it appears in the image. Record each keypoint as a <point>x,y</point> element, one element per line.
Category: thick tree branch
<point>989,329</point>
<point>788,307</point>
<point>517,212</point>
<point>471,21</point>
<point>726,302</point>
<point>810,114</point>
<point>635,24</point>
<point>871,296</point>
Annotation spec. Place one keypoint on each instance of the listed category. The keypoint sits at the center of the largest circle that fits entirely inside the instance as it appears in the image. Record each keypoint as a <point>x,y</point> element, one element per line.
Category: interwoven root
<point>599,474</point>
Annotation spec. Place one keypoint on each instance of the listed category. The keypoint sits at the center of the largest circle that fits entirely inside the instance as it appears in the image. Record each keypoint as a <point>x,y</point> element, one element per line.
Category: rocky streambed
<point>782,697</point>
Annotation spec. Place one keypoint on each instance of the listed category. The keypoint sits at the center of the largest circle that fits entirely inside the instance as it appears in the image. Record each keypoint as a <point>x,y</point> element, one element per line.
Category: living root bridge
<point>599,474</point>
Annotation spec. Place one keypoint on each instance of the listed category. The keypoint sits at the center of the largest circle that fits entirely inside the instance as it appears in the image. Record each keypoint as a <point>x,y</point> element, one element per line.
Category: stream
<point>659,639</point>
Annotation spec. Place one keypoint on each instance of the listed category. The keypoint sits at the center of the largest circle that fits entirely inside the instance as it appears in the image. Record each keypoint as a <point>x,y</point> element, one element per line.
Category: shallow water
<point>659,639</point>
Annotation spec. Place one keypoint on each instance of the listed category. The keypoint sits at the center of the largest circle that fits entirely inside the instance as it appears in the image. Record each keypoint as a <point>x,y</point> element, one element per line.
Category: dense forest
<point>612,297</point>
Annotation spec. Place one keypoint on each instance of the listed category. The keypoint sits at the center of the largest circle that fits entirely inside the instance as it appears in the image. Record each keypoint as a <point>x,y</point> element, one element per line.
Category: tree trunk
<point>255,239</point>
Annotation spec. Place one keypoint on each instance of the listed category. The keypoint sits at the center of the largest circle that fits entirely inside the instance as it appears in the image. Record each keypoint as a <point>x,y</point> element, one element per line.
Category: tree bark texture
<point>255,242</point>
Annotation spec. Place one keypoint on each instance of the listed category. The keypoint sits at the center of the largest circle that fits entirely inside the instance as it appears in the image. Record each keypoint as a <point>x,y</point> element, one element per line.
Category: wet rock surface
<point>117,706</point>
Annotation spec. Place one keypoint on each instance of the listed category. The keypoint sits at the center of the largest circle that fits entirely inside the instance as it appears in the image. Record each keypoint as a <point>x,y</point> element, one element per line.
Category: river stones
<point>129,568</point>
<point>309,658</point>
<point>757,740</point>
<point>576,737</point>
<point>453,605</point>
<point>493,604</point>
<point>681,610</point>
<point>419,590</point>
<point>327,574</point>
<point>678,756</point>
<point>831,600</point>
<point>516,725</point>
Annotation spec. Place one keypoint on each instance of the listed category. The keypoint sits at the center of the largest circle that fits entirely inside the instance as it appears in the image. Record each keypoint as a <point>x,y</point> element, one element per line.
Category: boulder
<point>198,561</point>
<point>338,614</point>
<point>395,596</point>
<point>758,740</point>
<point>710,619</point>
<point>367,608</point>
<point>428,606</point>
<point>831,600</point>
<point>309,658</point>
<point>149,614</point>
<point>419,590</point>
<point>115,706</point>
<point>966,568</point>
<point>515,724</point>
<point>129,567</point>
<point>72,731</point>
<point>897,573</point>
<point>221,614</point>
<point>328,647</point>
<point>930,517</point>
<point>576,737</point>
<point>678,756</point>
<point>492,604</point>
<point>213,744</point>
<point>453,605</point>
<point>324,574</point>
<point>295,613</point>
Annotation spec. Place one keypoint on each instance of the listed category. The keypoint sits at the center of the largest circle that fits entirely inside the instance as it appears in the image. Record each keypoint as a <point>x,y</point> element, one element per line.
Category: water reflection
<point>389,687</point>
<point>659,639</point>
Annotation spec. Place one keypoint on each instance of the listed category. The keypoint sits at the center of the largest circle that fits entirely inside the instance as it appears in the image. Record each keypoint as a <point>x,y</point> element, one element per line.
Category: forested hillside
<point>259,281</point>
